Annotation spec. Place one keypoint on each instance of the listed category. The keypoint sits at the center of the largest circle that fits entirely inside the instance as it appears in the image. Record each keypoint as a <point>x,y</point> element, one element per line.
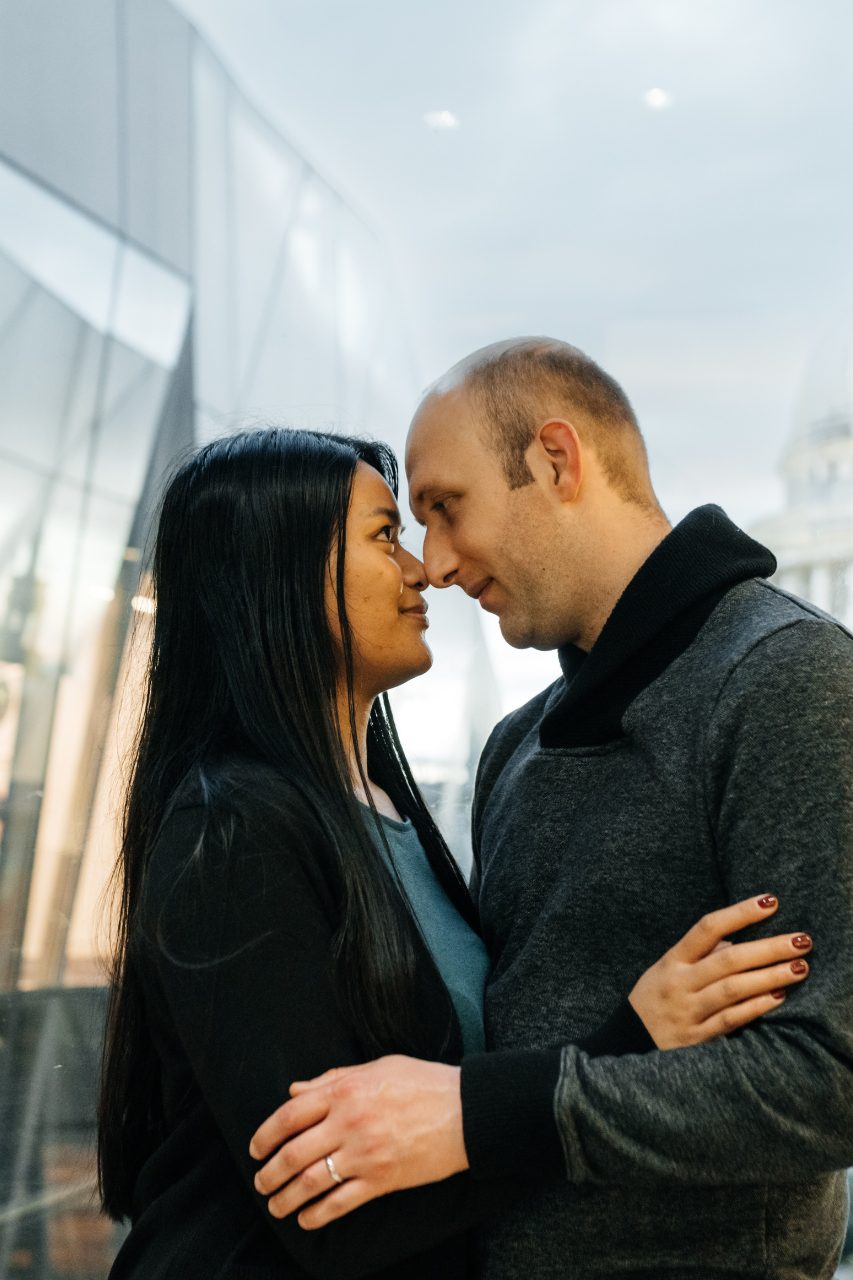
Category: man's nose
<point>440,563</point>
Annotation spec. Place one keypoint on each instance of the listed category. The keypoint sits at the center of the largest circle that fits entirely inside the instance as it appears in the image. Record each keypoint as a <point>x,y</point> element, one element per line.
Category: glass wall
<point>170,268</point>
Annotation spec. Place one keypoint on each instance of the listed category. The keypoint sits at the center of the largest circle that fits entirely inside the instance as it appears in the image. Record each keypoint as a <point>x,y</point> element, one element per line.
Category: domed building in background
<point>812,537</point>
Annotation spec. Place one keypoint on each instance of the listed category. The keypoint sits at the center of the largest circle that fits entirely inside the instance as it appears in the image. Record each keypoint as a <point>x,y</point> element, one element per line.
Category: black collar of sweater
<point>658,615</point>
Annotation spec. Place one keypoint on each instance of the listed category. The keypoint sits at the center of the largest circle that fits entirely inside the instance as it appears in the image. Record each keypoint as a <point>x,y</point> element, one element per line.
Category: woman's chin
<point>418,666</point>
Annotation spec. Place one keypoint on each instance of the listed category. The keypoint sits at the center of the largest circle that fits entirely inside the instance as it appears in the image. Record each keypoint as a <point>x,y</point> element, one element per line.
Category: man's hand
<point>389,1124</point>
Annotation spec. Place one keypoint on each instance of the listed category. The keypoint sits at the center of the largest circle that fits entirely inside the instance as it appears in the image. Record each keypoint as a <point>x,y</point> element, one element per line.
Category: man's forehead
<point>435,461</point>
<point>443,427</point>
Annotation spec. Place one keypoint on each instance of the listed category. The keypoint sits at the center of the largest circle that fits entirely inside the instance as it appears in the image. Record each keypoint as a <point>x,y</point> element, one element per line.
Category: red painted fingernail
<point>767,901</point>
<point>801,942</point>
<point>778,995</point>
<point>798,966</point>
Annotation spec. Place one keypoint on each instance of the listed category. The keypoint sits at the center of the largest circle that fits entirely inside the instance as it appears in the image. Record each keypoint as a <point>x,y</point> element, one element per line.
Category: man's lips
<point>478,590</point>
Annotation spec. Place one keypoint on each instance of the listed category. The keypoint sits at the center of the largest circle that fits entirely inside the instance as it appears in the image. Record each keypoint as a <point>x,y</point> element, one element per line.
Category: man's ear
<point>557,456</point>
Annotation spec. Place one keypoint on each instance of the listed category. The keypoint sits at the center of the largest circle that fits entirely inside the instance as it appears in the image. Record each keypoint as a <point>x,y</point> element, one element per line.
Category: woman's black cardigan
<point>233,957</point>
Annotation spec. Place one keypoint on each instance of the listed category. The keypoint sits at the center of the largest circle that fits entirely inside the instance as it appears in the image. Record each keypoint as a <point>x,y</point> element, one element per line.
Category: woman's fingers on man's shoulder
<point>715,926</point>
<point>743,957</point>
<point>735,1016</point>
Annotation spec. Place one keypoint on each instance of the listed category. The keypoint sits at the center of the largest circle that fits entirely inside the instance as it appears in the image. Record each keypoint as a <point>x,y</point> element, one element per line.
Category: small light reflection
<point>657,99</point>
<point>441,120</point>
<point>142,604</point>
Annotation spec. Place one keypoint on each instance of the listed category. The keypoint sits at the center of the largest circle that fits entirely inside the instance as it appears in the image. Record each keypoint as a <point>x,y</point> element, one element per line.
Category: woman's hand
<point>705,986</point>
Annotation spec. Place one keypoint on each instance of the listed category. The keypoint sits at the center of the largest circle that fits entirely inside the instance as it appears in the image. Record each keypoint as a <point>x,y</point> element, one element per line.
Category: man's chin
<point>516,636</point>
<point>524,636</point>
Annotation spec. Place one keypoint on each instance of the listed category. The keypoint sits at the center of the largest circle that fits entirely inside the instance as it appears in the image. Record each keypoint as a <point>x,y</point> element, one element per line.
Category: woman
<point>287,903</point>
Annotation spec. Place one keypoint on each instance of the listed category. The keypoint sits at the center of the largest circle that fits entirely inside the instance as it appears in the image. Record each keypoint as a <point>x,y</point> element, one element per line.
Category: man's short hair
<point>516,384</point>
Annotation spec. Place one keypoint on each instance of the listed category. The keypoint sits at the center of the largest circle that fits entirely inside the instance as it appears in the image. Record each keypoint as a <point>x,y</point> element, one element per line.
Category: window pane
<point>157,53</point>
<point>60,101</point>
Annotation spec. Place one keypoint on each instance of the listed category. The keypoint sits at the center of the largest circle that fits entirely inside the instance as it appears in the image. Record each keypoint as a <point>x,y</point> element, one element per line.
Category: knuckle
<point>728,990</point>
<point>729,1019</point>
<point>345,1088</point>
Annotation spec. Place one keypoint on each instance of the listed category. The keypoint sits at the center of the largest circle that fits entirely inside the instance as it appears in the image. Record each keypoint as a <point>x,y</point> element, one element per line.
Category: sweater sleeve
<point>241,946</point>
<point>773,1102</point>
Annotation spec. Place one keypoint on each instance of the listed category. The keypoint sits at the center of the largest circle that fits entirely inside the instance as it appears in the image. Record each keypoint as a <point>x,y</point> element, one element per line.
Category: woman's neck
<point>362,709</point>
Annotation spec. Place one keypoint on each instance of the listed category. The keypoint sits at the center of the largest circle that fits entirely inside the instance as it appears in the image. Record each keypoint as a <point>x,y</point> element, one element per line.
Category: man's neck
<point>618,563</point>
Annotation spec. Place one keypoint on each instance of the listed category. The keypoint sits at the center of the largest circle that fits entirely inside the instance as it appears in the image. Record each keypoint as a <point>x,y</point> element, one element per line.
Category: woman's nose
<point>414,573</point>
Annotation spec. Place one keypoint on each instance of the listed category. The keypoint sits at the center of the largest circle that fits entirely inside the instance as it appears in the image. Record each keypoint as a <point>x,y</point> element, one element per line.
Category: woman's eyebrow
<point>391,512</point>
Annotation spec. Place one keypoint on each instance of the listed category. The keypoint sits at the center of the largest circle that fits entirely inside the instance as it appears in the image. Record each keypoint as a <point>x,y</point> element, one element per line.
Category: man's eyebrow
<point>425,491</point>
<point>424,496</point>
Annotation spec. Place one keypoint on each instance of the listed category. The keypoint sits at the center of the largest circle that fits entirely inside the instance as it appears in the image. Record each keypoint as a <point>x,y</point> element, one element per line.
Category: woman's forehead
<point>371,493</point>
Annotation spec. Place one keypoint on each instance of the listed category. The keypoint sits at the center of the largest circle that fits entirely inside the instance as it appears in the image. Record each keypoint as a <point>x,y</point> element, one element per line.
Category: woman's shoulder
<point>240,786</point>
<point>236,827</point>
<point>235,810</point>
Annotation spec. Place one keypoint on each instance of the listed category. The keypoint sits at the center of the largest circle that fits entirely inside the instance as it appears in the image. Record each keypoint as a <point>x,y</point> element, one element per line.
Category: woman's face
<point>382,590</point>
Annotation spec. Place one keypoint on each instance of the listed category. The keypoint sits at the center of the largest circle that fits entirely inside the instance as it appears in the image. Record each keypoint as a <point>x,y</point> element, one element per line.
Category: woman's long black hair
<point>243,659</point>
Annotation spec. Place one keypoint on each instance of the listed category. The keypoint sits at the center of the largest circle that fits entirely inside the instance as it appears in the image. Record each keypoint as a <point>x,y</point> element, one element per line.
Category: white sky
<point>700,252</point>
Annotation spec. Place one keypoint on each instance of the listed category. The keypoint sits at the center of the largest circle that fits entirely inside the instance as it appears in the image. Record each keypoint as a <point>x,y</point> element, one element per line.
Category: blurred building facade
<point>170,268</point>
<point>812,537</point>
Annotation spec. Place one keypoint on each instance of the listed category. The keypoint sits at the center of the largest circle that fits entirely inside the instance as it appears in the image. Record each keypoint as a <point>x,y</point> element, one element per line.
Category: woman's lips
<point>418,612</point>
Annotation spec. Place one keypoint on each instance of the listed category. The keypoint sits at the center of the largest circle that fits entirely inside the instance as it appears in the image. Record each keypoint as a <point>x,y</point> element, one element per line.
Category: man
<point>696,748</point>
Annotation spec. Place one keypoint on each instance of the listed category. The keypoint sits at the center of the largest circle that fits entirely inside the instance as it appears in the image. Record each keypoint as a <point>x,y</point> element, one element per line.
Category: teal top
<point>458,951</point>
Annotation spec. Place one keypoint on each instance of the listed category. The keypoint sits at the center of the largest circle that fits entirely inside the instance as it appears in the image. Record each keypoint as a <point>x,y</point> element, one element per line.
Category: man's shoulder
<point>758,620</point>
<point>507,735</point>
<point>782,652</point>
<point>516,724</point>
<point>775,603</point>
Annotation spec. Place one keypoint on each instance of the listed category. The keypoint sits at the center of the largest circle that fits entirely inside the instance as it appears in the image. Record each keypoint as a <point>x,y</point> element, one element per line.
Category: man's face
<point>481,535</point>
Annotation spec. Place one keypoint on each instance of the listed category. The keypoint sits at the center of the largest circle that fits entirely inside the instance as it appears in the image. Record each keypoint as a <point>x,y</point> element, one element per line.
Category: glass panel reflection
<point>221,280</point>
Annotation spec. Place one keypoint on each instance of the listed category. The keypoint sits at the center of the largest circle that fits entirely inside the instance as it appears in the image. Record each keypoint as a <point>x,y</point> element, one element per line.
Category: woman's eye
<point>389,532</point>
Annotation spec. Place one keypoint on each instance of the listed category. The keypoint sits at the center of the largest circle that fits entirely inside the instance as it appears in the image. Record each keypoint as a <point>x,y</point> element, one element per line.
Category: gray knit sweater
<point>724,769</point>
